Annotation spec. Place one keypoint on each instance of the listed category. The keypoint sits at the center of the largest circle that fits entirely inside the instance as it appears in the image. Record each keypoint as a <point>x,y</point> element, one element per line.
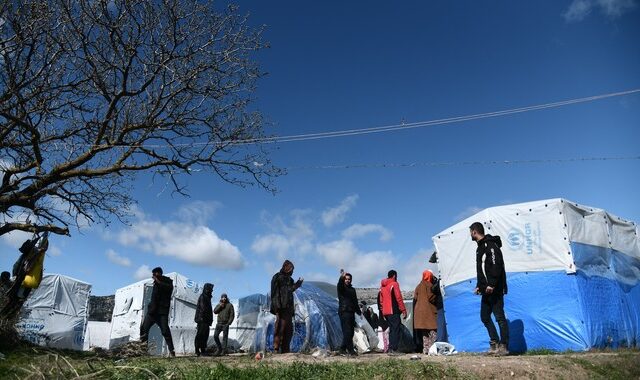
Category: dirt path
<point>588,365</point>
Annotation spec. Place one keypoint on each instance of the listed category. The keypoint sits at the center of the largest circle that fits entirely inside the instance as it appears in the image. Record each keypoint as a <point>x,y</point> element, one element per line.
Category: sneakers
<point>352,353</point>
<point>172,354</point>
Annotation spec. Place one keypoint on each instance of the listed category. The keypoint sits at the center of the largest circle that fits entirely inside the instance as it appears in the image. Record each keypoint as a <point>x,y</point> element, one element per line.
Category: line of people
<point>158,313</point>
<point>427,302</point>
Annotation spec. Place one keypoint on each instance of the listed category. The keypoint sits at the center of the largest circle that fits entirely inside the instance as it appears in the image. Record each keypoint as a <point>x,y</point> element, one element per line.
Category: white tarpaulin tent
<point>130,305</point>
<point>97,335</point>
<point>573,273</point>
<point>55,314</point>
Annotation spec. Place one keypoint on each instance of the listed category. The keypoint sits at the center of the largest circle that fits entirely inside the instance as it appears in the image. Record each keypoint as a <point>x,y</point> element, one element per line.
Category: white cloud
<point>579,9</point>
<point>410,271</point>
<point>117,259</point>
<point>287,239</point>
<point>143,272</point>
<point>198,212</point>
<point>16,238</point>
<point>366,267</point>
<point>54,250</point>
<point>335,215</point>
<point>359,230</point>
<point>189,242</point>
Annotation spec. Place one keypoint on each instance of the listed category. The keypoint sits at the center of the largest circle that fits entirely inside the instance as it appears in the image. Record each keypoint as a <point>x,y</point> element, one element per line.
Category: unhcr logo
<point>527,240</point>
<point>515,239</point>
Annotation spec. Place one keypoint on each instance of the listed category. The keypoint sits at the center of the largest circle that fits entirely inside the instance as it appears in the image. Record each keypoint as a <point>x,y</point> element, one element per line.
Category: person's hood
<point>207,290</point>
<point>427,275</point>
<point>386,282</point>
<point>495,239</point>
<point>287,267</point>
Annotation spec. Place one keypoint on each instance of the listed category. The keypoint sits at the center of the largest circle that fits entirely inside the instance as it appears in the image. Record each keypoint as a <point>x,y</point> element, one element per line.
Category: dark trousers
<point>348,323</point>
<point>163,322</point>
<point>494,303</point>
<point>225,336</point>
<point>394,330</point>
<point>283,331</point>
<point>202,336</point>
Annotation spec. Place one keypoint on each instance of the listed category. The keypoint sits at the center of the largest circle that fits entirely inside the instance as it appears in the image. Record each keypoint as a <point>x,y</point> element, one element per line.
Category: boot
<point>503,350</point>
<point>493,348</point>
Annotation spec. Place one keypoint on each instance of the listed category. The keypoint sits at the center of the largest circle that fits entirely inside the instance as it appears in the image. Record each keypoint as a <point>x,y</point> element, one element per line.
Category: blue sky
<point>349,65</point>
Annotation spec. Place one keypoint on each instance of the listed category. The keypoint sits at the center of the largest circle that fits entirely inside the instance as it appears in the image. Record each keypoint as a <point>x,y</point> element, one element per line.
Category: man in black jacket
<point>347,308</point>
<point>204,318</point>
<point>492,284</point>
<point>158,309</point>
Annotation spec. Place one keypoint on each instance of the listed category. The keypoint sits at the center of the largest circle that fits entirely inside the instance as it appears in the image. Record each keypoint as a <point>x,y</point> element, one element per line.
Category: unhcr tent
<point>96,335</point>
<point>130,306</point>
<point>573,274</point>
<point>55,314</point>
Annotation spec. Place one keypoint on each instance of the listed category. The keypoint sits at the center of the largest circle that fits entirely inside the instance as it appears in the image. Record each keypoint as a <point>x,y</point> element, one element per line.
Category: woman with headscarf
<point>282,288</point>
<point>425,320</point>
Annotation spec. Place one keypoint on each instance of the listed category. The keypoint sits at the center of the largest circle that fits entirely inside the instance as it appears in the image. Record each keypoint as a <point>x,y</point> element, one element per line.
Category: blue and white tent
<point>573,273</point>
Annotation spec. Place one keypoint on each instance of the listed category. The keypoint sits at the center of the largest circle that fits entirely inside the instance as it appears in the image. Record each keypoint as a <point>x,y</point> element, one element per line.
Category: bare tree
<point>93,92</point>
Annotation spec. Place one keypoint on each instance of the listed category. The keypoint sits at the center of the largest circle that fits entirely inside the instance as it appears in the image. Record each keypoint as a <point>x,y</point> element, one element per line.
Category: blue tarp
<point>316,322</point>
<point>597,307</point>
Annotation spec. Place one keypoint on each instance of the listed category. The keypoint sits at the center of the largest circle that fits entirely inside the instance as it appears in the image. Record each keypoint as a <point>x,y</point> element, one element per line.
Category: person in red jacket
<point>391,305</point>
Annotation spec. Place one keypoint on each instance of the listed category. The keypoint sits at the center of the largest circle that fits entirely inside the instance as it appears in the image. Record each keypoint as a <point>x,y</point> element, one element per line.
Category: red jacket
<point>390,292</point>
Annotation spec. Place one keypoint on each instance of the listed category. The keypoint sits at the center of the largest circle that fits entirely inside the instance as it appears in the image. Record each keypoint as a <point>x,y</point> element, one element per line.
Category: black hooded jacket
<point>161,296</point>
<point>204,313</point>
<point>282,288</point>
<point>490,265</point>
<point>347,298</point>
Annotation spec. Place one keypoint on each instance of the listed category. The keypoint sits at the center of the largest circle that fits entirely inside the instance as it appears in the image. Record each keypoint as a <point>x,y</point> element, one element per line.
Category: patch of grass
<point>626,367</point>
<point>38,364</point>
<point>541,351</point>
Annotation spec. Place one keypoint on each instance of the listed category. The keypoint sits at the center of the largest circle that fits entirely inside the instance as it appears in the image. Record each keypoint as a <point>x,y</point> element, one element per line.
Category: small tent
<point>55,314</point>
<point>573,274</point>
<point>316,322</point>
<point>130,306</point>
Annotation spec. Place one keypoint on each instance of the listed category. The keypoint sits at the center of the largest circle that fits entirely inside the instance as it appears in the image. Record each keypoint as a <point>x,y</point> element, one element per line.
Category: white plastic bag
<point>442,348</point>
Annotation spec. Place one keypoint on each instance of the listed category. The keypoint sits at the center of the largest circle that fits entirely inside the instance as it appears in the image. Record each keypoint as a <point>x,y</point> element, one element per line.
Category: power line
<point>464,163</point>
<point>386,128</point>
<point>457,119</point>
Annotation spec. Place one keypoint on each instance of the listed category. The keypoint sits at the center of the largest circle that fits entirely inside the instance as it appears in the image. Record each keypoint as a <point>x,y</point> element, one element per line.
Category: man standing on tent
<point>282,288</point>
<point>492,284</point>
<point>203,318</point>
<point>225,312</point>
<point>347,309</point>
<point>391,305</point>
<point>158,309</point>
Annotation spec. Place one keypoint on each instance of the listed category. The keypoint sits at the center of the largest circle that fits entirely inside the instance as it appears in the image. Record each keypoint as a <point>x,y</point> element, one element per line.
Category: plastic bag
<point>442,348</point>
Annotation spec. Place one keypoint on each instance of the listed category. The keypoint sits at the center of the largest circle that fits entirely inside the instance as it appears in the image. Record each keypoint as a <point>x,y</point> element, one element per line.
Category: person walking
<point>347,309</point>
<point>282,288</point>
<point>204,319</point>
<point>391,305</point>
<point>158,309</point>
<point>425,314</point>
<point>226,314</point>
<point>492,285</point>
